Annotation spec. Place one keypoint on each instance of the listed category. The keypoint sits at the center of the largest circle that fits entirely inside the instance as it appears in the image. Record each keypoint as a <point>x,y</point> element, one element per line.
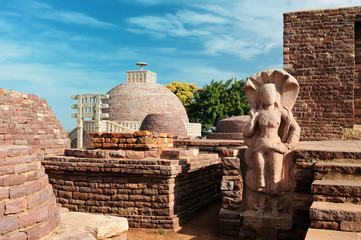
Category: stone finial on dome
<point>141,64</point>
<point>141,76</point>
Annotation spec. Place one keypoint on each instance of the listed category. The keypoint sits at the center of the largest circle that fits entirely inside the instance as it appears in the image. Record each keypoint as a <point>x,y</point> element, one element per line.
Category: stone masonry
<point>154,188</point>
<point>26,119</point>
<point>304,194</point>
<point>131,140</point>
<point>321,50</point>
<point>28,208</point>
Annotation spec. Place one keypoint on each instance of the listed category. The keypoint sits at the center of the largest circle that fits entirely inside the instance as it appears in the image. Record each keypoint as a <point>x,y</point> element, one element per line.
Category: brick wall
<point>152,189</point>
<point>232,193</point>
<point>27,204</point>
<point>229,216</point>
<point>357,84</point>
<point>319,50</point>
<point>26,119</point>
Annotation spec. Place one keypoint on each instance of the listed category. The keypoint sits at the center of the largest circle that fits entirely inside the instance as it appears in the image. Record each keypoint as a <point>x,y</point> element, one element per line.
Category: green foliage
<point>162,231</point>
<point>184,91</point>
<point>217,101</point>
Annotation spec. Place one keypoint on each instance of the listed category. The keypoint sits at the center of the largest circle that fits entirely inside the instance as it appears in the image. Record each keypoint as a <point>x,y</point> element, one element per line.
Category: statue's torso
<point>269,121</point>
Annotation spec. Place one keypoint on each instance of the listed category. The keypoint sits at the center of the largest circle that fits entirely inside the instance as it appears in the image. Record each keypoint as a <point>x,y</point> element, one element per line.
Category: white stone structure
<point>88,106</point>
<point>135,99</point>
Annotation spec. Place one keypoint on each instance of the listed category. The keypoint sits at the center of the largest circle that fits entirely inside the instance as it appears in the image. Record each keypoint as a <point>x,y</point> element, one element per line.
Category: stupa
<point>142,95</point>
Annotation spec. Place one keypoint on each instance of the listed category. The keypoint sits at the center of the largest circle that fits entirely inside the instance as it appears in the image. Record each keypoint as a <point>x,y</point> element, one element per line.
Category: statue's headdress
<point>286,85</point>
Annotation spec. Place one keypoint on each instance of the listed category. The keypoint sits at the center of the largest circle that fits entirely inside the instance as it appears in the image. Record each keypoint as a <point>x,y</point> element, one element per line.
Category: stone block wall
<point>319,51</point>
<point>152,188</point>
<point>208,145</point>
<point>229,216</point>
<point>26,119</point>
<point>232,192</point>
<point>28,208</point>
<point>131,140</point>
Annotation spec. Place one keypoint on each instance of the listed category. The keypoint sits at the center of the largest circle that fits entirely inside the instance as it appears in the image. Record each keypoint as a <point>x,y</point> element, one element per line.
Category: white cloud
<point>191,17</point>
<point>66,36</point>
<point>243,48</point>
<point>194,71</point>
<point>168,25</point>
<point>76,18</point>
<point>11,51</point>
<point>48,12</point>
<point>242,28</point>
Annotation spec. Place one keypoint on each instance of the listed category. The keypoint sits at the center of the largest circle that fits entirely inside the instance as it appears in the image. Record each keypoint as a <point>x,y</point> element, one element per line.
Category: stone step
<point>336,188</point>
<point>336,169</point>
<point>336,212</point>
<point>88,226</point>
<point>322,234</point>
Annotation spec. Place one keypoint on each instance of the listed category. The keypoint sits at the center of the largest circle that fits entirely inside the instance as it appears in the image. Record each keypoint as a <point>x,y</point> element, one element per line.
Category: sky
<point>56,49</point>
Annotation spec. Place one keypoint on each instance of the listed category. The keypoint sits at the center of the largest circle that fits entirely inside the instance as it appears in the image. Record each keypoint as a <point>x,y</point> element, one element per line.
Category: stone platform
<point>157,188</point>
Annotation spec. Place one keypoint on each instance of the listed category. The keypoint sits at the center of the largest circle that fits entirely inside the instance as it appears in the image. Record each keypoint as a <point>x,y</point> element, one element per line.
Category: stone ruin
<point>321,49</point>
<point>28,208</point>
<point>269,189</point>
<point>29,130</point>
<point>137,175</point>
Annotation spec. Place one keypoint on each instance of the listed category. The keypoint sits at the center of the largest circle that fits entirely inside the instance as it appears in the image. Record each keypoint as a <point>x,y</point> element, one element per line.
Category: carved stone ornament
<point>271,135</point>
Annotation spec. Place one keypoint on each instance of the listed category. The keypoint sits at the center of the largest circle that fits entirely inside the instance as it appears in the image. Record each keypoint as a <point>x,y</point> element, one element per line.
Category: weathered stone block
<point>16,205</point>
<point>8,224</point>
<point>350,226</point>
<point>325,225</point>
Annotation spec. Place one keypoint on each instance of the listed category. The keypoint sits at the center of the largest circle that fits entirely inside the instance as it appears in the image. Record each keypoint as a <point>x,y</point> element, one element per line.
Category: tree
<point>217,101</point>
<point>184,91</point>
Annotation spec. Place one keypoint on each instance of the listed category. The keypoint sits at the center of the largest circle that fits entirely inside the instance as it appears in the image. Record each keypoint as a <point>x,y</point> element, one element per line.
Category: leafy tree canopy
<point>184,91</point>
<point>216,101</point>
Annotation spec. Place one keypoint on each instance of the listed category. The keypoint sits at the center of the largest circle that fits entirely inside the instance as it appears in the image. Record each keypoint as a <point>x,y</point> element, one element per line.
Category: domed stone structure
<point>166,123</point>
<point>125,106</point>
<point>230,128</point>
<point>140,96</point>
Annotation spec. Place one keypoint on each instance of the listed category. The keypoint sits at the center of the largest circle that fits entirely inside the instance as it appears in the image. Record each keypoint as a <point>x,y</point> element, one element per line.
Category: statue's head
<point>268,94</point>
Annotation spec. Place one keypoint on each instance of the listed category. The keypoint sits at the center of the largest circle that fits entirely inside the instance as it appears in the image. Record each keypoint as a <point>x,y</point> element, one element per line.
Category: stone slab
<point>100,226</point>
<point>336,187</point>
<point>318,234</point>
<point>328,211</point>
<point>338,167</point>
<point>332,146</point>
<point>69,232</point>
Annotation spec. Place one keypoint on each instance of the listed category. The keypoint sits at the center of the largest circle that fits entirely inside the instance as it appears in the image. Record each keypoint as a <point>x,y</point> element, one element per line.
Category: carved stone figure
<point>271,135</point>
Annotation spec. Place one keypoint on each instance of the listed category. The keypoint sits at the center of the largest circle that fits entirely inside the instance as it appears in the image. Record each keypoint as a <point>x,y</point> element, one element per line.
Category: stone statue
<point>271,135</point>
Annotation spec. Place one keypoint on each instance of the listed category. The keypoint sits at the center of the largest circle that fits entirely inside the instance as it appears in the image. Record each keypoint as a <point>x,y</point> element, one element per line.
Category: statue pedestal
<point>266,227</point>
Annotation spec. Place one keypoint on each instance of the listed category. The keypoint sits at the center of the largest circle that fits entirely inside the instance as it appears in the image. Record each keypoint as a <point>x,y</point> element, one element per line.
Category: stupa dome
<point>164,123</point>
<point>230,128</point>
<point>140,96</point>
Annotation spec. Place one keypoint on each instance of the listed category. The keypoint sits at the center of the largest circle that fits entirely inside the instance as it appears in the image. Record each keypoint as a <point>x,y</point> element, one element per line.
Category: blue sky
<point>56,49</point>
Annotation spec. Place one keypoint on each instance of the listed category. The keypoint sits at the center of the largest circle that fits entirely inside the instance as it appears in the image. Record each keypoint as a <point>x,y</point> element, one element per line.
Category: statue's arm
<point>294,130</point>
<point>251,126</point>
